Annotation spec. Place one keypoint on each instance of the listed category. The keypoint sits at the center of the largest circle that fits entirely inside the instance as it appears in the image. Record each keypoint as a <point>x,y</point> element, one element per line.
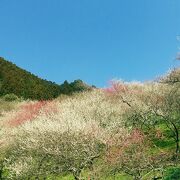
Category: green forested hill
<point>24,84</point>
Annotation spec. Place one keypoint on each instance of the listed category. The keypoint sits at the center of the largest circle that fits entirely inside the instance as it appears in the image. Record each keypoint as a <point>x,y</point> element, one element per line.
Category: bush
<point>43,154</point>
<point>10,97</point>
<point>173,173</point>
<point>6,106</point>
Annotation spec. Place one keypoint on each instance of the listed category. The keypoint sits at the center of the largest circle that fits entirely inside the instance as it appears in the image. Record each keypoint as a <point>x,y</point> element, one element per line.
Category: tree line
<point>25,84</point>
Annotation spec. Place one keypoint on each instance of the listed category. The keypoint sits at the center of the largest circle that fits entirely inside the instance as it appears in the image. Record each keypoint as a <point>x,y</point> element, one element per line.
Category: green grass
<point>167,142</point>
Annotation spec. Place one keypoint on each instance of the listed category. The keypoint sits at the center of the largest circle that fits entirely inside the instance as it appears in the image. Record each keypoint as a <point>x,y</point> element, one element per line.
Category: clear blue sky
<point>92,40</point>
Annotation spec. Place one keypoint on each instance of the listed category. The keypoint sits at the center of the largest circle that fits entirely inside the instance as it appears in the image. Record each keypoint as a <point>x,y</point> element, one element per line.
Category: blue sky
<point>92,40</point>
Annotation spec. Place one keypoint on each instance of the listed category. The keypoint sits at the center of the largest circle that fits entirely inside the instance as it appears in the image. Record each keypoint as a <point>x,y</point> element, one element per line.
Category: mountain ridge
<point>22,83</point>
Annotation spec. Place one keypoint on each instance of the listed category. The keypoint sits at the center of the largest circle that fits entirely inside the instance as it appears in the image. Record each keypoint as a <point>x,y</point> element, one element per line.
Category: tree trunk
<point>177,142</point>
<point>176,139</point>
<point>138,176</point>
<point>77,175</point>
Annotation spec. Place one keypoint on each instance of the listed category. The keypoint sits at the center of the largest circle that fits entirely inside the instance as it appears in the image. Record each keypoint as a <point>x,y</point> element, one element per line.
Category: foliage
<point>123,132</point>
<point>24,84</point>
<point>53,153</point>
<point>71,138</point>
<point>172,173</point>
<point>159,107</point>
<point>150,105</point>
<point>132,156</point>
<point>6,106</point>
<point>10,97</point>
<point>172,77</point>
<point>76,86</point>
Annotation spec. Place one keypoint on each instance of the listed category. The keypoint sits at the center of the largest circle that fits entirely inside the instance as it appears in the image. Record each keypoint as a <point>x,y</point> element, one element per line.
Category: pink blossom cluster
<point>116,87</point>
<point>136,137</point>
<point>30,111</point>
<point>123,88</point>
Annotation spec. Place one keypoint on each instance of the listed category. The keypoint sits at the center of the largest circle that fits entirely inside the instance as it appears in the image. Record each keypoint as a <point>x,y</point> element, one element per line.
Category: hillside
<point>128,131</point>
<point>25,84</point>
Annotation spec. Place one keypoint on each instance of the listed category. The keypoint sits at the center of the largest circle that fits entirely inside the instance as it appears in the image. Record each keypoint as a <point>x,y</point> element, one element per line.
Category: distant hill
<point>25,84</point>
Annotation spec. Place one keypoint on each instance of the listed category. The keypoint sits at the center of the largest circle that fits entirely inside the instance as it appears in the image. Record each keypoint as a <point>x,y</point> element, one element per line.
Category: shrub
<point>87,132</point>
<point>172,174</point>
<point>39,154</point>
<point>68,141</point>
<point>10,97</point>
<point>6,106</point>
